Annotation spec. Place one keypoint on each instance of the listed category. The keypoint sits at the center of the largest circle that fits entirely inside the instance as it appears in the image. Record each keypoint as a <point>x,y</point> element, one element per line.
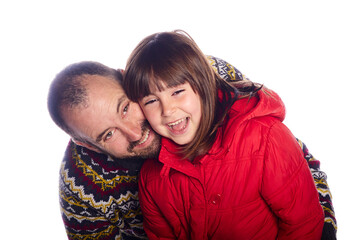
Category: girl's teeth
<point>175,123</point>
<point>179,124</point>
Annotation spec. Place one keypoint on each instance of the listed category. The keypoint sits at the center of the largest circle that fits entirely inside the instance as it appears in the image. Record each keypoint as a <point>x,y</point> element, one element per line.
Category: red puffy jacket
<point>254,183</point>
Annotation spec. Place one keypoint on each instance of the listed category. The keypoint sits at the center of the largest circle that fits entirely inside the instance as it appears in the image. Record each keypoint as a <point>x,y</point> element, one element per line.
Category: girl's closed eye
<point>148,101</point>
<point>178,91</point>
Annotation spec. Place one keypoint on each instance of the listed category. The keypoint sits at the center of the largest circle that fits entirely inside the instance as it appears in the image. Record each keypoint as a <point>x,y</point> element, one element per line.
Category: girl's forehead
<point>157,85</point>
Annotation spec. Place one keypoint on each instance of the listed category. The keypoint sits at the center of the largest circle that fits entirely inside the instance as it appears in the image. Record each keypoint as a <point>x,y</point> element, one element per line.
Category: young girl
<point>228,167</point>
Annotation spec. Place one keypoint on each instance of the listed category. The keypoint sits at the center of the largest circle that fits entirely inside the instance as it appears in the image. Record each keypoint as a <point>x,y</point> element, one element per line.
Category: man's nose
<point>131,130</point>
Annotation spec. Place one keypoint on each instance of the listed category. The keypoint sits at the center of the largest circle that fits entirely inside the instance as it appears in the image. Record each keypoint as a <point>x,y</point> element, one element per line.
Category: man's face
<point>111,122</point>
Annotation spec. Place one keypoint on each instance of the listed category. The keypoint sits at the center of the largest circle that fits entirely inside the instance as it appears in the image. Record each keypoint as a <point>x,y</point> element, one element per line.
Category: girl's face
<point>174,113</point>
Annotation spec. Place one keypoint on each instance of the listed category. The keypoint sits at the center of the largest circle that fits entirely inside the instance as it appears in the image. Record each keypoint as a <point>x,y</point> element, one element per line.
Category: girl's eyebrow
<point>120,101</point>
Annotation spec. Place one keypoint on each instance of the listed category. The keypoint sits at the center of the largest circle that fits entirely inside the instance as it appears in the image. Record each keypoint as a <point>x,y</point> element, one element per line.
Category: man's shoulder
<point>84,171</point>
<point>79,157</point>
<point>97,194</point>
<point>225,70</point>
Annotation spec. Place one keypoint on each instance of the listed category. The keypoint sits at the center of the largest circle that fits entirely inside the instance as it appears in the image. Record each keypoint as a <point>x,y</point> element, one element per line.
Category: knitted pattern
<point>330,226</point>
<point>225,70</point>
<point>99,197</point>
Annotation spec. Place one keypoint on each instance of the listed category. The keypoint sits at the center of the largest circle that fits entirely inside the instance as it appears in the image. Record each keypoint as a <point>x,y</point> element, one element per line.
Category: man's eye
<point>126,108</point>
<point>109,135</point>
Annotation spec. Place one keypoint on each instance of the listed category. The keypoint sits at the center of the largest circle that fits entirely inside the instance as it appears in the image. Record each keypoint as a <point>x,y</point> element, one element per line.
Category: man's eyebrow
<point>120,101</point>
<point>100,136</point>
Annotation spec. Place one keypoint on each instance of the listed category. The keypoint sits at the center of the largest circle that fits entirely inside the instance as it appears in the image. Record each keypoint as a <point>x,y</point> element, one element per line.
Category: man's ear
<point>88,146</point>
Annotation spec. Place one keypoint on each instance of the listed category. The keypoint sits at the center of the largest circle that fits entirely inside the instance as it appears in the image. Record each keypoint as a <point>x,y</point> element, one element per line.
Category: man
<point>110,141</point>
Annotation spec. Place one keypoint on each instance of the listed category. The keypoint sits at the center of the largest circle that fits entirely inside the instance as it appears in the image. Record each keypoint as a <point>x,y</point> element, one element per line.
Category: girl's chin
<point>180,141</point>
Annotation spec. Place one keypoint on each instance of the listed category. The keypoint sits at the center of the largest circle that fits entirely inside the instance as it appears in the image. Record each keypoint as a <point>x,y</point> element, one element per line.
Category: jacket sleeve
<point>288,187</point>
<point>320,179</point>
<point>155,224</point>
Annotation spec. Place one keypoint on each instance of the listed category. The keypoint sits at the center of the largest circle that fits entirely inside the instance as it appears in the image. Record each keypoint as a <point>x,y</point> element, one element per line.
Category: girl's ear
<point>88,146</point>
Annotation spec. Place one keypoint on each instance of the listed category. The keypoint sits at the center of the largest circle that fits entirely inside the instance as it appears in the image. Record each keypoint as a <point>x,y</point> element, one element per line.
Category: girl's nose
<point>167,108</point>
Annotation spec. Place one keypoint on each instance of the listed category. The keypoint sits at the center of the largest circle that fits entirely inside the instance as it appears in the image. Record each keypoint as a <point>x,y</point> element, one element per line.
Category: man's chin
<point>151,151</point>
<point>147,149</point>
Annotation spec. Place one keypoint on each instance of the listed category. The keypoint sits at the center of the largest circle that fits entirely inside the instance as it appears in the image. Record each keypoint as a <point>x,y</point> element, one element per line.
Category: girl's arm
<point>288,187</point>
<point>232,74</point>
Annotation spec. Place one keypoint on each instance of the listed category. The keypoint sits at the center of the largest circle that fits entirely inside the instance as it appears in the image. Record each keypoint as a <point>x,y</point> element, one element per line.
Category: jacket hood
<point>265,103</point>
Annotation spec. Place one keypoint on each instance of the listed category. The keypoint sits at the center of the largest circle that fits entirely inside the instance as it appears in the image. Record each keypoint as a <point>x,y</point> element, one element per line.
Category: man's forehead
<point>102,93</point>
<point>102,85</point>
<point>99,80</point>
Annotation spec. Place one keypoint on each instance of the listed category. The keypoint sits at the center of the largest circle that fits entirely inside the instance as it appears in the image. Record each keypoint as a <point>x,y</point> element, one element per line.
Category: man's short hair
<point>68,90</point>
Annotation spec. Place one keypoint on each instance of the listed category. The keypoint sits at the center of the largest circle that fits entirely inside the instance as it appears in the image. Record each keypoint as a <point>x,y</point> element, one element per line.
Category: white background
<point>308,51</point>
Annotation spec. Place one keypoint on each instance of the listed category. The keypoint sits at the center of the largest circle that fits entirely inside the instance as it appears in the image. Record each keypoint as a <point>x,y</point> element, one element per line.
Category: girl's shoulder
<point>263,104</point>
<point>251,118</point>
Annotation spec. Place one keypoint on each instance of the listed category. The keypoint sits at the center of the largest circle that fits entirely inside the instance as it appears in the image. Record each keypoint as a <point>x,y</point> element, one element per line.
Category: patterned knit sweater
<point>99,195</point>
<point>330,226</point>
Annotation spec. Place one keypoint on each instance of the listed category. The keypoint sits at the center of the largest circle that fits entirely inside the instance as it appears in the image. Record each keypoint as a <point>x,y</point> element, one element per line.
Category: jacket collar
<point>169,157</point>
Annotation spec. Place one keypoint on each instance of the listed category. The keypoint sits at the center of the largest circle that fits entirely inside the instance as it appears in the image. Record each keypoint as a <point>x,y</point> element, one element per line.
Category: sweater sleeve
<point>288,187</point>
<point>225,70</point>
<point>320,179</point>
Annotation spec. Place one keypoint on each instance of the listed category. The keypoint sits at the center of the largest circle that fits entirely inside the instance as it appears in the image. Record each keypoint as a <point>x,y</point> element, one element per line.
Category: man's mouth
<point>145,136</point>
<point>146,133</point>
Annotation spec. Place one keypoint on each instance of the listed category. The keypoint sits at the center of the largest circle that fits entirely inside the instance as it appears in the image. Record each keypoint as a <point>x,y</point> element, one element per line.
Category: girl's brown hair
<point>174,58</point>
